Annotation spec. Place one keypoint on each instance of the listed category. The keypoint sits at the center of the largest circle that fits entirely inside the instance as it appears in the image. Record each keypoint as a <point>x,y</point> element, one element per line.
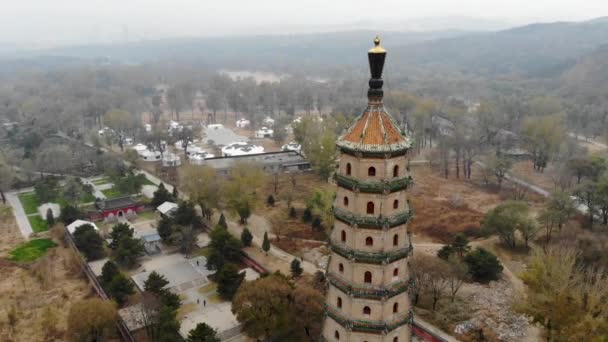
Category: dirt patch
<point>445,207</point>
<point>295,246</point>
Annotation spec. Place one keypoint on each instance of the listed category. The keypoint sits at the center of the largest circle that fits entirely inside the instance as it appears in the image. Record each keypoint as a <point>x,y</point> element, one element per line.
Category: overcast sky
<point>54,22</point>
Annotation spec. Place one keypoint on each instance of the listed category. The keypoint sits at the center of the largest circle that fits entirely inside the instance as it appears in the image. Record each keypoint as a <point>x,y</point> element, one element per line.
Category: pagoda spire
<point>376,57</point>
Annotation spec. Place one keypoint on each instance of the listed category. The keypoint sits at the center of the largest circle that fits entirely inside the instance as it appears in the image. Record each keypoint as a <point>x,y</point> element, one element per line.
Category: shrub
<point>246,237</point>
<point>307,216</point>
<point>292,212</point>
<point>483,265</point>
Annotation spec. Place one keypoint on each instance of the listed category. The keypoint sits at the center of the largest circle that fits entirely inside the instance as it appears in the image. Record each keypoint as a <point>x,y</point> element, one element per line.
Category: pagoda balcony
<point>369,326</point>
<point>373,222</point>
<point>369,291</point>
<point>374,187</point>
<point>371,257</point>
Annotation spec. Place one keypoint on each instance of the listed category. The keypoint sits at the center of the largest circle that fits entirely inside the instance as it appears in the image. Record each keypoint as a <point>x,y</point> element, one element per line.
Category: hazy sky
<point>51,22</point>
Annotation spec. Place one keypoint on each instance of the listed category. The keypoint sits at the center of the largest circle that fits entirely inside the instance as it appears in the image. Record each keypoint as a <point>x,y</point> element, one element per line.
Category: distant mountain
<point>537,50</point>
<point>533,50</point>
<point>590,72</point>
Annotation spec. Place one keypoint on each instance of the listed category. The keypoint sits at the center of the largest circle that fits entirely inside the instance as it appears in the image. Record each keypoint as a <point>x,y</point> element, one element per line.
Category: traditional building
<point>368,272</point>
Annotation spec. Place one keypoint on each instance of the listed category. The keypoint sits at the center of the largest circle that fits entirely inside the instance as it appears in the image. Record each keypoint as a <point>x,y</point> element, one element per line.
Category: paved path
<point>20,216</point>
<point>96,191</point>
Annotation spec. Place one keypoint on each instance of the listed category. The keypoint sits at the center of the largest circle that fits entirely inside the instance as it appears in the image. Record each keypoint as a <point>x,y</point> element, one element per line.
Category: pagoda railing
<point>370,291</point>
<point>373,222</point>
<point>370,326</point>
<point>371,257</point>
<point>376,187</point>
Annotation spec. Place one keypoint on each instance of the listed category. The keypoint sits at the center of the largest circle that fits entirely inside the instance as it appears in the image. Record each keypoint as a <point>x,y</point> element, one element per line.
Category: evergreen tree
<point>202,333</point>
<point>460,245</point>
<point>292,212</point>
<point>266,243</point>
<point>222,221</point>
<point>50,218</point>
<point>246,237</point>
<point>119,232</point>
<point>128,251</point>
<point>161,195</point>
<point>185,215</point>
<point>170,299</point>
<point>69,214</point>
<point>165,229</point>
<point>228,281</point>
<point>223,248</point>
<point>270,201</point>
<point>296,268</point>
<point>445,252</point>
<point>307,216</point>
<point>155,283</point>
<point>483,265</point>
<point>88,242</point>
<point>175,193</point>
<point>108,272</point>
<point>167,326</point>
<point>120,288</point>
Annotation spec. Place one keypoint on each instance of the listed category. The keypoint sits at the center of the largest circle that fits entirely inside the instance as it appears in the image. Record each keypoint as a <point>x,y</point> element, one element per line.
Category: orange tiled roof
<point>374,130</point>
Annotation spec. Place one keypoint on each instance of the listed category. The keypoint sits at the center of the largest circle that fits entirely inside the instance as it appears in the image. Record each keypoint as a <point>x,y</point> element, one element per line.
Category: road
<point>22,222</point>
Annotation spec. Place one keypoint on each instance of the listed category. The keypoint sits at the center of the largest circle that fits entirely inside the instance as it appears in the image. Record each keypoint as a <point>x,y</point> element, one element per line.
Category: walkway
<point>20,216</point>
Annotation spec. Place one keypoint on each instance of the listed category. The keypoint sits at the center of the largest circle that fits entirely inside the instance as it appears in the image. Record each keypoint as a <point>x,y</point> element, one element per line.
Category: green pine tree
<point>266,243</point>
<point>296,268</point>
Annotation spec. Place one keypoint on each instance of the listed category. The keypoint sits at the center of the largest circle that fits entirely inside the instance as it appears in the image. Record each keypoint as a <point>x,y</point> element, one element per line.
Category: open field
<point>38,223</point>
<point>30,203</point>
<point>444,207</point>
<point>39,293</point>
<point>31,250</point>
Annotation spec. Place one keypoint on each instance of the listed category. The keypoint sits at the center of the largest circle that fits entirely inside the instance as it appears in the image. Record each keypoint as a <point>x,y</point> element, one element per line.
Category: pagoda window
<point>395,307</point>
<point>396,171</point>
<point>341,268</point>
<point>348,169</point>
<point>370,208</point>
<point>369,241</point>
<point>337,335</point>
<point>396,339</point>
<point>395,272</point>
<point>339,303</point>
<point>367,277</point>
<point>343,236</point>
<point>371,171</point>
<point>395,240</point>
<point>345,201</point>
<point>395,204</point>
<point>367,311</point>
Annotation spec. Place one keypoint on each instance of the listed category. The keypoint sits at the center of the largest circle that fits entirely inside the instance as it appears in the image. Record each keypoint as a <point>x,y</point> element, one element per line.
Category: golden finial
<point>377,48</point>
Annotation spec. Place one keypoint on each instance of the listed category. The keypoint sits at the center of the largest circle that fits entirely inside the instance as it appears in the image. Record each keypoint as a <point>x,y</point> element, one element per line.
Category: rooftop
<point>284,158</point>
<point>116,203</point>
<point>375,130</point>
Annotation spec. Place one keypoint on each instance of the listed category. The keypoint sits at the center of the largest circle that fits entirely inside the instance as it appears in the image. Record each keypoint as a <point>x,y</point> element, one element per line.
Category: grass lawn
<point>31,250</point>
<point>38,224</point>
<point>30,203</point>
<point>113,192</point>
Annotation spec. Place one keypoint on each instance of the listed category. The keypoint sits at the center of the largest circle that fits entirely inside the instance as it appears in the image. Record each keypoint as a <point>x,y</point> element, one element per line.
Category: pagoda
<point>368,271</point>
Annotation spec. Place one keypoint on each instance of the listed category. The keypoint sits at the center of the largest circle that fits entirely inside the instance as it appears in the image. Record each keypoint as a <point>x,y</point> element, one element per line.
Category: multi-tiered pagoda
<point>368,272</point>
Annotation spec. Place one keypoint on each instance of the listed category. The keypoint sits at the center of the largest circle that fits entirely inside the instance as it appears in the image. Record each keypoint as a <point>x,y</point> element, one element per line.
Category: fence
<point>425,334</point>
<point>125,333</point>
<point>250,262</point>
